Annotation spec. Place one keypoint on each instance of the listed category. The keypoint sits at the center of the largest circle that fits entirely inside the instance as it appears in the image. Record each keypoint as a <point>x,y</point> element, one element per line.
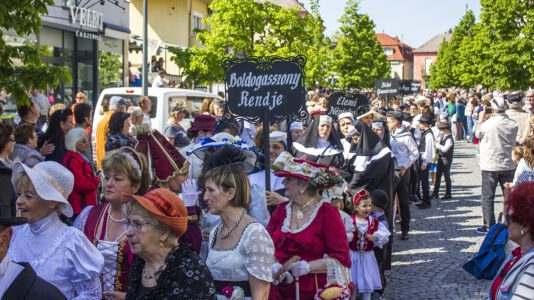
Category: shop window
<point>110,63</point>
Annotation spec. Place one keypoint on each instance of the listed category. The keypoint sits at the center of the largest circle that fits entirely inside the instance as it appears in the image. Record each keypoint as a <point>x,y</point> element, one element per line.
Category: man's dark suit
<point>29,286</point>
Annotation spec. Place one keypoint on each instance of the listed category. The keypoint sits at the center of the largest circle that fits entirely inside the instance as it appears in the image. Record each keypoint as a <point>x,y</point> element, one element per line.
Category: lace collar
<point>287,221</point>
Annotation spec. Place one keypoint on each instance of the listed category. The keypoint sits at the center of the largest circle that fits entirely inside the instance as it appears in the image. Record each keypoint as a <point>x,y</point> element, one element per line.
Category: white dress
<point>365,272</point>
<point>61,255</point>
<point>253,254</point>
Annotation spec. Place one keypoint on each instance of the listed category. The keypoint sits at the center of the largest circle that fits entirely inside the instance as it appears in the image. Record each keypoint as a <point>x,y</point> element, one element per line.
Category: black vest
<point>446,157</point>
<point>422,141</point>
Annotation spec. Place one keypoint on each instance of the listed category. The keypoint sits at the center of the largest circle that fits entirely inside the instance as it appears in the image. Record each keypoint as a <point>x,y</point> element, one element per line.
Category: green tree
<point>453,66</point>
<point>247,28</point>
<point>358,57</point>
<point>21,68</point>
<point>506,43</point>
<point>109,69</point>
<point>440,70</point>
<point>318,51</point>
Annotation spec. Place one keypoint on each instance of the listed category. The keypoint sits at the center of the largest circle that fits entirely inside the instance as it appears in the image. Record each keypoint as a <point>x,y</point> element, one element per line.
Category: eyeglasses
<point>135,225</point>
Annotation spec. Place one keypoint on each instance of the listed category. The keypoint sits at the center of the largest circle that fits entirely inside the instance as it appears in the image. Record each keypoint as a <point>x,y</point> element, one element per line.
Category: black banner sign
<point>340,102</point>
<point>259,87</point>
<point>405,87</point>
<point>416,87</point>
<point>386,88</point>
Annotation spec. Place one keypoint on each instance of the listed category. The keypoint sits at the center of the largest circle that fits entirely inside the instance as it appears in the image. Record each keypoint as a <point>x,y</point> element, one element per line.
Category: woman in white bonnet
<point>59,254</point>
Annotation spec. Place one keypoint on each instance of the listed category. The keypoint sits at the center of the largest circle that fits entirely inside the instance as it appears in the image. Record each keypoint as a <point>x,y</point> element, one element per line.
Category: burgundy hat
<point>203,122</point>
<point>164,158</point>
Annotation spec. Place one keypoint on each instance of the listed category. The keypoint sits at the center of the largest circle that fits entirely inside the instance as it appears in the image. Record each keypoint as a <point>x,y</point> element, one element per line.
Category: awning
<point>154,46</point>
<point>116,31</point>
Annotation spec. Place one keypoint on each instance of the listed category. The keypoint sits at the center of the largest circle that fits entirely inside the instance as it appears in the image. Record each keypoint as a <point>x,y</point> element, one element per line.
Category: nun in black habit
<point>372,168</point>
<point>320,143</point>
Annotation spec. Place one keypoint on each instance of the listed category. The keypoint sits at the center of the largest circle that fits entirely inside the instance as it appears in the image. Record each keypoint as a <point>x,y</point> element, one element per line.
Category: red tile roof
<point>401,51</point>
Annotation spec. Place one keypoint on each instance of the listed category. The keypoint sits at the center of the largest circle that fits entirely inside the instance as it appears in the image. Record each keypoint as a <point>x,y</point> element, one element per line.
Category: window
<point>428,63</point>
<point>197,23</point>
<point>388,51</point>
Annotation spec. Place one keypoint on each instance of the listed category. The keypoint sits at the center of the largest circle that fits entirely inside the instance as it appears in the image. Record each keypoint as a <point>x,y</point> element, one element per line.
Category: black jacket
<point>29,286</point>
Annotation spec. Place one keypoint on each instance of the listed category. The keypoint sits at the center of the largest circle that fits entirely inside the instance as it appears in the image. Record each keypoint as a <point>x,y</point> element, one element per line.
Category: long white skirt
<point>364,270</point>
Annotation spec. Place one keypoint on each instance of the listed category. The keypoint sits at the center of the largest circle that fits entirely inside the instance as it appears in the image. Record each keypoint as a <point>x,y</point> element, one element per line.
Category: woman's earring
<point>522,231</point>
<point>161,244</point>
<point>301,191</point>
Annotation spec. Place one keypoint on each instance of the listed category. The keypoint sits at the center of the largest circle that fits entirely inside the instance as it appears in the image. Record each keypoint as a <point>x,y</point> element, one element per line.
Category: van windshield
<point>134,100</point>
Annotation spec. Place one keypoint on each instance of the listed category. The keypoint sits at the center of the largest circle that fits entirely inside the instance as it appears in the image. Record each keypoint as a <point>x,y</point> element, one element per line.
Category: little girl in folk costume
<point>369,233</point>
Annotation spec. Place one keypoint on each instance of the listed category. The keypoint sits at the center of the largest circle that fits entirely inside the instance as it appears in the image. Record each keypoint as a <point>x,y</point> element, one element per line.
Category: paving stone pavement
<point>442,239</point>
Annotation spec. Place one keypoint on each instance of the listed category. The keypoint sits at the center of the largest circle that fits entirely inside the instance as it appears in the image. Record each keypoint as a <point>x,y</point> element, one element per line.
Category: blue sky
<point>413,21</point>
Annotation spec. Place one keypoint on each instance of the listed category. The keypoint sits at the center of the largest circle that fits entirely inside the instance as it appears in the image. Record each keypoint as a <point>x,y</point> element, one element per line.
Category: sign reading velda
<point>87,19</point>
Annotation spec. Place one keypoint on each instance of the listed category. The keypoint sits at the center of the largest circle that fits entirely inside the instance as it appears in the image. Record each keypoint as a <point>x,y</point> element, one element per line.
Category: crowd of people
<point>185,213</point>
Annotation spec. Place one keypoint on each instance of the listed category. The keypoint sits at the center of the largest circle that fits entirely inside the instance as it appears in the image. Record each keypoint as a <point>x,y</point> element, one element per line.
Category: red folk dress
<point>323,235</point>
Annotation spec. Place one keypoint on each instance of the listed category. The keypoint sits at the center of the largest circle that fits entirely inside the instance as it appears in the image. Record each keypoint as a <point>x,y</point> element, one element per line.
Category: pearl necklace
<point>116,220</point>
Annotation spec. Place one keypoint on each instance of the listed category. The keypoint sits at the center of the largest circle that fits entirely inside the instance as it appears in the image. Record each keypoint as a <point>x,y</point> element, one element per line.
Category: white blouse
<point>253,254</point>
<point>61,255</point>
<point>382,233</point>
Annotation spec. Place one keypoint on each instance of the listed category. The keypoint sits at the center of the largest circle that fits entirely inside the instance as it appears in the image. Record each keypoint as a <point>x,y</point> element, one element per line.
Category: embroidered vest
<point>372,227</point>
<point>125,257</point>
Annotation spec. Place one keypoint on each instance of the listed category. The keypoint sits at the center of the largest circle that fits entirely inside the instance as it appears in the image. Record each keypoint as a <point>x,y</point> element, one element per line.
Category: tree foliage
<point>358,57</point>
<point>251,28</point>
<point>21,68</point>
<point>497,52</point>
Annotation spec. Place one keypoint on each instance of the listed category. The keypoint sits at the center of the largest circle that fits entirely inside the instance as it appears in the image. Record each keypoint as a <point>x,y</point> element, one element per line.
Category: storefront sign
<point>340,102</point>
<point>386,88</point>
<point>271,85</point>
<point>88,35</point>
<point>86,17</point>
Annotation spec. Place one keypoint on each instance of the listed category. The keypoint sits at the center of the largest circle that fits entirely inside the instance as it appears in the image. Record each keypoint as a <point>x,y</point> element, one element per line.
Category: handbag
<point>454,118</point>
<point>491,254</point>
<point>335,291</point>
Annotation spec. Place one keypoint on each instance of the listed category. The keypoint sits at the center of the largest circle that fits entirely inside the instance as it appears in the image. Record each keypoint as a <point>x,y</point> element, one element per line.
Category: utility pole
<point>145,48</point>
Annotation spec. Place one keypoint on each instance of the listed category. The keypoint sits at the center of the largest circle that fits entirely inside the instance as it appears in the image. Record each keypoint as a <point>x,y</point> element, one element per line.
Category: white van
<point>162,101</point>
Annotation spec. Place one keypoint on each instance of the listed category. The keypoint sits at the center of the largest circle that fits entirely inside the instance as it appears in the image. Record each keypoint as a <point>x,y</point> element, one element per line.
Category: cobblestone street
<point>442,239</point>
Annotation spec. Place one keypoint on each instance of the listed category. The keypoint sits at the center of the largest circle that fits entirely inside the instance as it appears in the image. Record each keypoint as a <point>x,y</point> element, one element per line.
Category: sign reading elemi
<point>86,17</point>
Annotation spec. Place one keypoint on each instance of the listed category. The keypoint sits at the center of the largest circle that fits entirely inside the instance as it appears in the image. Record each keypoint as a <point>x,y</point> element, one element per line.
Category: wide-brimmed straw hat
<point>51,181</point>
<point>319,176</point>
<point>165,206</point>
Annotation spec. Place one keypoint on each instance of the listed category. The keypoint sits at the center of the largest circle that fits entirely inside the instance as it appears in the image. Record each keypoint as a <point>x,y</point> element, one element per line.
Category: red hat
<point>362,194</point>
<point>203,122</point>
<point>162,156</point>
<point>165,206</point>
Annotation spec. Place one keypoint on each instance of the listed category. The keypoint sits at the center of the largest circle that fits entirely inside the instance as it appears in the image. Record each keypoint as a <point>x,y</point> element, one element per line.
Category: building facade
<point>171,23</point>
<point>399,55</point>
<point>425,56</point>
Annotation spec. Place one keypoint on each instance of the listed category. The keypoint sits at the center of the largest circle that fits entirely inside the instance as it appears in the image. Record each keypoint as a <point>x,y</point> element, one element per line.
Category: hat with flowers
<point>319,176</point>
